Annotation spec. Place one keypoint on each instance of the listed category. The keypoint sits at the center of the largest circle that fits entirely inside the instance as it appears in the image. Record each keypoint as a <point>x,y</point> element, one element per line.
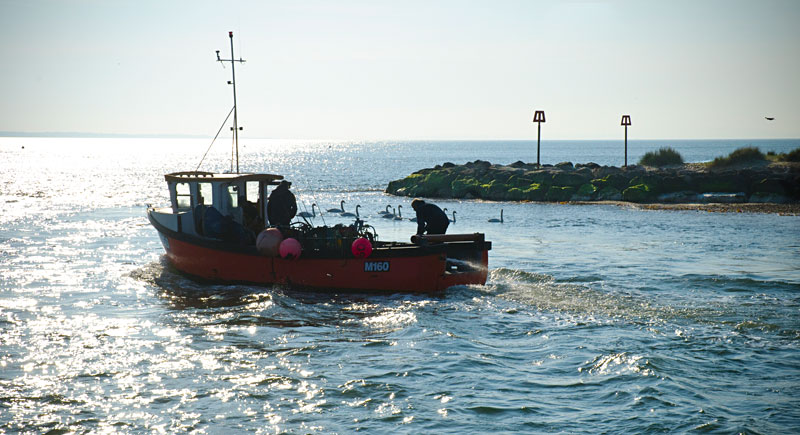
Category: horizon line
<point>90,135</point>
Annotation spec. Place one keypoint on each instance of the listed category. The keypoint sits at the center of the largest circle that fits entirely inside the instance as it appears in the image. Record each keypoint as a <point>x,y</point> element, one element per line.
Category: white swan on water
<point>399,216</point>
<point>347,213</point>
<point>386,211</point>
<point>337,210</point>
<point>498,220</point>
<point>454,215</point>
<point>307,214</point>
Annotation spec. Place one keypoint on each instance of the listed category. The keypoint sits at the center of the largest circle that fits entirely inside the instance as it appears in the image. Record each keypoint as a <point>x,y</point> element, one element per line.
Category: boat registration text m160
<point>376,266</point>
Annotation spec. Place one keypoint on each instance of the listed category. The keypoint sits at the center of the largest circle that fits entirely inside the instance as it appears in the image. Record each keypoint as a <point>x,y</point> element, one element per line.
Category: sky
<point>382,70</point>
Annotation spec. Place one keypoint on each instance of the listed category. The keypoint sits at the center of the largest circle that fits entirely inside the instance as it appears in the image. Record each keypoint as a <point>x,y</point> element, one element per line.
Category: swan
<point>454,215</point>
<point>348,214</point>
<point>385,212</point>
<point>337,210</point>
<point>388,215</point>
<point>399,216</point>
<point>307,214</point>
<point>498,220</point>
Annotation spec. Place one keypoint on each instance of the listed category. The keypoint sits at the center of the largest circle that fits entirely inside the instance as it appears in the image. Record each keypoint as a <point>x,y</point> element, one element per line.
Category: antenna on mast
<point>235,127</point>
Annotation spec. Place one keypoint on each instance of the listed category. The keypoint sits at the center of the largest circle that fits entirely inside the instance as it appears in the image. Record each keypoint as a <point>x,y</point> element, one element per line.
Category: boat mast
<point>235,127</point>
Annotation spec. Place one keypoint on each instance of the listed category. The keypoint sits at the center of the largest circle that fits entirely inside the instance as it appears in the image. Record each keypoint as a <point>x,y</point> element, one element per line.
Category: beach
<point>768,208</point>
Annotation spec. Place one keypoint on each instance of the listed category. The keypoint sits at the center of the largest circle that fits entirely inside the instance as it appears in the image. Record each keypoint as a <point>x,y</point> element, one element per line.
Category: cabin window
<point>233,192</point>
<point>252,216</point>
<point>206,194</point>
<point>252,191</point>
<point>183,196</point>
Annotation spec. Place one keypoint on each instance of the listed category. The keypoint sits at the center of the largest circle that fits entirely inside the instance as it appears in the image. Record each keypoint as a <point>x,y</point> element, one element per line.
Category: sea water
<point>595,318</point>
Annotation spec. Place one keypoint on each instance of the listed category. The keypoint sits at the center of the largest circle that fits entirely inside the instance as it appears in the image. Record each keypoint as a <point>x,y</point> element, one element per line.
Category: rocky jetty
<point>687,183</point>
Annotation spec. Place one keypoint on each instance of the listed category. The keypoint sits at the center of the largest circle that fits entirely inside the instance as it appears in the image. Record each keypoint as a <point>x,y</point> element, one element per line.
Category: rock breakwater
<point>688,183</point>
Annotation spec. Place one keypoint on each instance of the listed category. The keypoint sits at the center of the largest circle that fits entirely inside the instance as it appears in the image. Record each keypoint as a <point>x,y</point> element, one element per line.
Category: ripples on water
<point>595,319</point>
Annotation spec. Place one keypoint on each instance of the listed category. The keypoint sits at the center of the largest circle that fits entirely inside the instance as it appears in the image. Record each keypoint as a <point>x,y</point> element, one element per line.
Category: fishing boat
<point>216,228</point>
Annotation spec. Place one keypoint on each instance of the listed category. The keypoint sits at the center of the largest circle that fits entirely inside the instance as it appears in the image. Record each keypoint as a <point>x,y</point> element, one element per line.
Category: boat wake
<point>581,301</point>
<point>599,301</point>
<point>184,292</point>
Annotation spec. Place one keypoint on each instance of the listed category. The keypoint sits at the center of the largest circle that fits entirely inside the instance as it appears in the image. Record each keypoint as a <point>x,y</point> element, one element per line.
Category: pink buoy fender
<point>290,249</point>
<point>361,248</point>
<point>269,241</point>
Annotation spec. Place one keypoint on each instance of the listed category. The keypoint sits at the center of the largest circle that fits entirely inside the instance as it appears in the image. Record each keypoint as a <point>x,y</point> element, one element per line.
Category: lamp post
<point>626,121</point>
<point>538,117</point>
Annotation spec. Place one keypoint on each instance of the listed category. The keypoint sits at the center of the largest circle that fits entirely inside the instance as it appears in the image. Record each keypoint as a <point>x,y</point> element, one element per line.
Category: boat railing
<point>441,238</point>
<point>190,174</point>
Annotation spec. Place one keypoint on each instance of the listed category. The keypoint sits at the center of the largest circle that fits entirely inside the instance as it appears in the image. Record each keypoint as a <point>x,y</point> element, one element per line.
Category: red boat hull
<point>382,271</point>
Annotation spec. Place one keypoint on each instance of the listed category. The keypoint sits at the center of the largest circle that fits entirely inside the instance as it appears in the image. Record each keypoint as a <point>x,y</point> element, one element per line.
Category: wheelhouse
<point>195,196</point>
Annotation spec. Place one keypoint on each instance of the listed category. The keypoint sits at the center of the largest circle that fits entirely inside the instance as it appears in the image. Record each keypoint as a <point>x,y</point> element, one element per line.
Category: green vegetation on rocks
<point>609,193</point>
<point>587,191</point>
<point>791,156</point>
<point>536,192</point>
<point>663,157</point>
<point>747,155</point>
<point>559,193</point>
<point>764,182</point>
<point>638,193</point>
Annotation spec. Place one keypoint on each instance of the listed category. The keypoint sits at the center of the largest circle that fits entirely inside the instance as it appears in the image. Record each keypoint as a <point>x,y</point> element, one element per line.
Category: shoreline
<point>746,207</point>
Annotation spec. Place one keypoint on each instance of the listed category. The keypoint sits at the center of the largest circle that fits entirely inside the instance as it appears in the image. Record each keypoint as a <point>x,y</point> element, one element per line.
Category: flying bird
<point>768,118</point>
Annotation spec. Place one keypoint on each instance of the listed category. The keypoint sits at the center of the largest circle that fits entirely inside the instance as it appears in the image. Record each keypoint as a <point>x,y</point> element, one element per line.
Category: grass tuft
<point>662,157</point>
<point>791,156</point>
<point>739,156</point>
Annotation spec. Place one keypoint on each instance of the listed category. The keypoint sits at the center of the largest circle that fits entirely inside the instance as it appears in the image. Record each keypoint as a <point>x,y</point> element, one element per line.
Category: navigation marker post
<point>626,121</point>
<point>235,127</point>
<point>538,117</point>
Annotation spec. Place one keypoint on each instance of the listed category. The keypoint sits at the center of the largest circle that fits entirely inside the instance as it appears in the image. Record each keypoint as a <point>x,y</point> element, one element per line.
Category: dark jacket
<point>431,220</point>
<point>281,206</point>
